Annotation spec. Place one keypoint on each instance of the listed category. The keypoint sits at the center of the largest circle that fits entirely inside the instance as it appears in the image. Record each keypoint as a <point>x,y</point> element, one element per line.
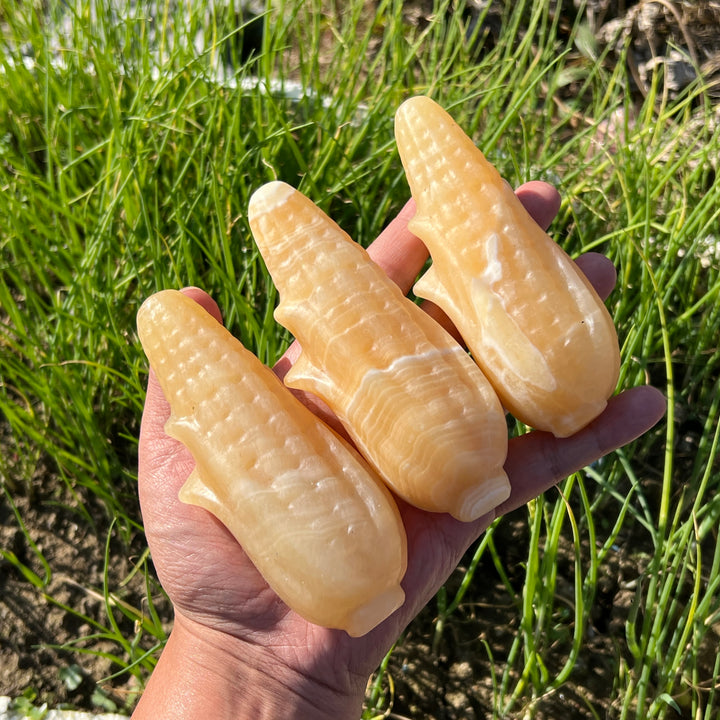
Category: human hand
<point>234,642</point>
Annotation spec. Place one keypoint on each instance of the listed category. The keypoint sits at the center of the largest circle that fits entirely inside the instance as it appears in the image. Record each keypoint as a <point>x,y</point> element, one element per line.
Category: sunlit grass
<point>123,172</point>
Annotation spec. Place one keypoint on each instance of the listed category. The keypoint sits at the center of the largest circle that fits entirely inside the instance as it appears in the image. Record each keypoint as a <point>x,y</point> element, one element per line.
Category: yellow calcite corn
<point>417,407</point>
<point>312,516</point>
<point>533,322</point>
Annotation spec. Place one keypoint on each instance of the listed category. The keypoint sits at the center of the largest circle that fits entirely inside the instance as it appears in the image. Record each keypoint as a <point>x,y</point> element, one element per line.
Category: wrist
<point>206,673</point>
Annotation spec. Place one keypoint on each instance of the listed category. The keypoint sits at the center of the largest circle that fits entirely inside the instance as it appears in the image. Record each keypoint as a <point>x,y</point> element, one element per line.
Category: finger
<point>204,300</point>
<point>537,460</point>
<point>399,252</point>
<point>600,271</point>
<point>541,200</point>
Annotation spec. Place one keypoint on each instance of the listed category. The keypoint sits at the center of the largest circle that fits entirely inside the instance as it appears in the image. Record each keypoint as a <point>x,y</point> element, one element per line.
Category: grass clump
<point>130,143</point>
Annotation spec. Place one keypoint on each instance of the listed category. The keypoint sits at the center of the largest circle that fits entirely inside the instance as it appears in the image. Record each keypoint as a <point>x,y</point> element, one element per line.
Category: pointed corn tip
<point>269,197</point>
<point>160,299</point>
<point>150,308</point>
<point>419,112</point>
<point>415,104</point>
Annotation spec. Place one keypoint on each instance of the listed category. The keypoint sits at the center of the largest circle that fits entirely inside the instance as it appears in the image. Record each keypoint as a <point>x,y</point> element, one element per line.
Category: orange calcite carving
<point>532,320</point>
<point>312,516</point>
<point>417,407</point>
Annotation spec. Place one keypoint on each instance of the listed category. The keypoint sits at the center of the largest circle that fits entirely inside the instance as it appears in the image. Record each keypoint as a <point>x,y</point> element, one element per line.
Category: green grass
<point>126,167</point>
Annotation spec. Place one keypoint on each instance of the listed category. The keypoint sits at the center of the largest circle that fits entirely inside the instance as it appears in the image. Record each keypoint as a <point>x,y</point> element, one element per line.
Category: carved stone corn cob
<point>533,322</point>
<point>313,517</point>
<point>413,401</point>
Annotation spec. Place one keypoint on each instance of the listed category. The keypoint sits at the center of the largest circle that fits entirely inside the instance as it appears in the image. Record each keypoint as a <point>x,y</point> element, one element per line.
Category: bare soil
<point>43,647</point>
<point>40,640</point>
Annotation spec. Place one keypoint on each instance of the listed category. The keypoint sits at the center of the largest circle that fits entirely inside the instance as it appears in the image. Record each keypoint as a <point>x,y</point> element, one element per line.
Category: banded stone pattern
<point>533,322</point>
<point>312,516</point>
<point>412,400</point>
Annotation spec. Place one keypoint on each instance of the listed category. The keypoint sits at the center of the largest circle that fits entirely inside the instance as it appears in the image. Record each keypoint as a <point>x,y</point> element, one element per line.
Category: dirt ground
<point>33,623</point>
<point>455,681</point>
<point>452,681</point>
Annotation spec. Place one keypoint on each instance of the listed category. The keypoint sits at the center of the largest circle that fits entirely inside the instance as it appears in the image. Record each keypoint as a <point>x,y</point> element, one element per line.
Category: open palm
<point>218,593</point>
